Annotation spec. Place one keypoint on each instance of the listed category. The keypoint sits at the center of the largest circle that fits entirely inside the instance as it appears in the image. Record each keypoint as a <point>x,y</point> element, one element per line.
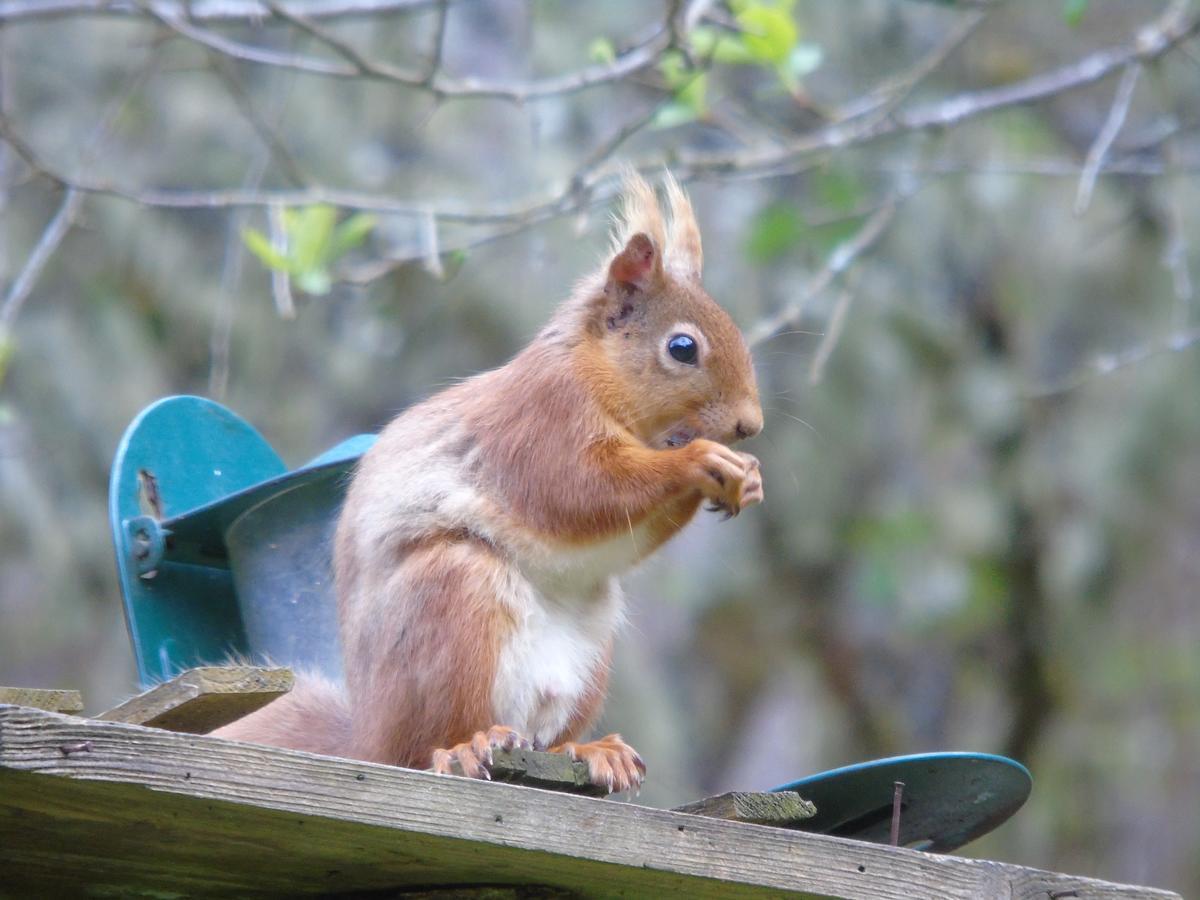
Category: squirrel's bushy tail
<point>314,716</point>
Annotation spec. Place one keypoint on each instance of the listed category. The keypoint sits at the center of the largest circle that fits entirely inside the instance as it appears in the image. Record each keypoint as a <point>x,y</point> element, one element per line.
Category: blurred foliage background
<point>982,452</point>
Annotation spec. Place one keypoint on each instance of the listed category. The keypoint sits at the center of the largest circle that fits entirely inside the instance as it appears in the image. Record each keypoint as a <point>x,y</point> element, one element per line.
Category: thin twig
<point>439,44</point>
<point>758,163</point>
<point>281,282</point>
<point>52,236</point>
<point>1156,39</point>
<point>896,90</point>
<point>1134,167</point>
<point>230,11</point>
<point>1105,137</point>
<point>357,65</point>
<point>430,247</point>
<point>266,132</point>
<point>1174,255</point>
<point>833,332</point>
<point>837,263</point>
<point>1108,363</point>
<point>221,337</point>
<point>64,218</point>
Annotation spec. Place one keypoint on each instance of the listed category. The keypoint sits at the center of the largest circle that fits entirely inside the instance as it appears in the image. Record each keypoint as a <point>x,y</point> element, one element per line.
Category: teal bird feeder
<point>221,550</point>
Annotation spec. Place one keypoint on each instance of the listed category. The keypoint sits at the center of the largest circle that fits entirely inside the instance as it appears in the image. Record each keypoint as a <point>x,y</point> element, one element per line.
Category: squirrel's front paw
<point>612,763</point>
<point>728,479</point>
<point>474,756</point>
<point>752,486</point>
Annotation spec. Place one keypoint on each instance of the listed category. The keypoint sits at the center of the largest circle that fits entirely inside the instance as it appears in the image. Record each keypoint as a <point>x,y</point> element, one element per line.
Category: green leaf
<point>719,46</point>
<point>452,263</point>
<point>674,69</point>
<point>601,50</point>
<point>258,244</point>
<point>672,114</point>
<point>838,190</point>
<point>770,32</point>
<point>776,230</point>
<point>804,59</point>
<point>691,92</point>
<point>694,95</point>
<point>349,234</point>
<point>1074,11</point>
<point>314,281</point>
<point>7,347</point>
<point>308,237</point>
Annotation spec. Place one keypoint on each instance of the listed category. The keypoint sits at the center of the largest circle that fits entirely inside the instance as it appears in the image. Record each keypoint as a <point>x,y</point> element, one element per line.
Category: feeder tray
<point>947,800</point>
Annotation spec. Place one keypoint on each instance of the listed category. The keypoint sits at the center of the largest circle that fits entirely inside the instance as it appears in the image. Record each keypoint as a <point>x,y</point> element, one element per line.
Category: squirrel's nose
<point>749,426</point>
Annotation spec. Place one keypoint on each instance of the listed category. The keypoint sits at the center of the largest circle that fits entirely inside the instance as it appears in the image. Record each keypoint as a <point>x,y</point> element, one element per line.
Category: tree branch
<point>1156,39</point>
<point>1104,140</point>
<point>51,237</point>
<point>837,263</point>
<point>226,11</point>
<point>1108,363</point>
<point>641,56</point>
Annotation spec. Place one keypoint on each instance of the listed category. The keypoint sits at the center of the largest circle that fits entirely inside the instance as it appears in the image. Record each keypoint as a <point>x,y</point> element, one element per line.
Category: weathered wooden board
<point>119,810</point>
<point>781,808</point>
<point>201,699</point>
<point>535,768</point>
<point>38,698</point>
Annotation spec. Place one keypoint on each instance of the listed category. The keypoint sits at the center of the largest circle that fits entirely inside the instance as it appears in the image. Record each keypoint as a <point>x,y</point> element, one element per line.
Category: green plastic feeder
<point>221,550</point>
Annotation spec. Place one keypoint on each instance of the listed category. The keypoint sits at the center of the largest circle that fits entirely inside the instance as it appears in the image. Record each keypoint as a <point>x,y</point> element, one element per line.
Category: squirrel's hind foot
<point>474,756</point>
<point>612,763</point>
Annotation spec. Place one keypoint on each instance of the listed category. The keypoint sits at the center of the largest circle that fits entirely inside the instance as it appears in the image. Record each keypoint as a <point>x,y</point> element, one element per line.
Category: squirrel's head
<point>676,365</point>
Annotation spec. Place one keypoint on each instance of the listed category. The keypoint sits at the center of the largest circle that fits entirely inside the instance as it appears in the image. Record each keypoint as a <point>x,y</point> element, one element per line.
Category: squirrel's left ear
<point>637,267</point>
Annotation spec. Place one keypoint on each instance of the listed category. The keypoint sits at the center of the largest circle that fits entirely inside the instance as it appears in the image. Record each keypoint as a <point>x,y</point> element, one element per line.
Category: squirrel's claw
<point>472,758</point>
<point>612,763</point>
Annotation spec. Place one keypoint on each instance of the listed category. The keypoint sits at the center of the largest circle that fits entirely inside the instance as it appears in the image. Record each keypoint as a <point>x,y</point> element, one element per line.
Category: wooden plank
<point>107,808</point>
<point>39,698</point>
<point>201,699</point>
<point>537,768</point>
<point>782,808</point>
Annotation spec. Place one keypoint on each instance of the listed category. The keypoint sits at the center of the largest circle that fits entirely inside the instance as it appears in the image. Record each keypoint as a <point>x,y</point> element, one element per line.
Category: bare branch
<point>837,263</point>
<point>1048,167</point>
<point>439,43</point>
<point>361,65</point>
<point>1105,137</point>
<point>1174,255</point>
<point>833,332</point>
<point>51,237</point>
<point>281,282</point>
<point>1108,363</point>
<point>641,56</point>
<point>1156,39</point>
<point>267,133</point>
<point>896,90</point>
<point>431,251</point>
<point>206,10</point>
<point>56,230</point>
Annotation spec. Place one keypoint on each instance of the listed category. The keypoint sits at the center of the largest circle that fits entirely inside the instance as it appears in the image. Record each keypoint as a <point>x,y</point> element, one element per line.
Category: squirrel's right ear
<point>637,267</point>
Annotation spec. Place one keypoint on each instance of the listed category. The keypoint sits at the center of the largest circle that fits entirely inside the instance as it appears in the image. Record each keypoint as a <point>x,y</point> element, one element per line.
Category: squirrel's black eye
<point>682,348</point>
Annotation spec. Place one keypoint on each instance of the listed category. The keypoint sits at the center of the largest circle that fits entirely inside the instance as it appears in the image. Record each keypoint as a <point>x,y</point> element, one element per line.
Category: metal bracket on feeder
<point>146,543</point>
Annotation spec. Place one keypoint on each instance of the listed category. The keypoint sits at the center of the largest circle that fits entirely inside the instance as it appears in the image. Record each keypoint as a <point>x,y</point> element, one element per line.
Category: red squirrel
<point>476,555</point>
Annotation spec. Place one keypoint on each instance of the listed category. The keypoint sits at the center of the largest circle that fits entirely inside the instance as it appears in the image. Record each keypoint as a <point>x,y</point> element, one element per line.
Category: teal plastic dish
<point>949,799</point>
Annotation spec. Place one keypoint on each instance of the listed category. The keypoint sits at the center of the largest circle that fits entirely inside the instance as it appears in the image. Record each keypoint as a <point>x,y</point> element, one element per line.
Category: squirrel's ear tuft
<point>684,254</point>
<point>637,266</point>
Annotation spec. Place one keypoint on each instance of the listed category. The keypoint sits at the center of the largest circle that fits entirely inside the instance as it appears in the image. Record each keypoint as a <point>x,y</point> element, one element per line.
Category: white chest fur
<point>546,668</point>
